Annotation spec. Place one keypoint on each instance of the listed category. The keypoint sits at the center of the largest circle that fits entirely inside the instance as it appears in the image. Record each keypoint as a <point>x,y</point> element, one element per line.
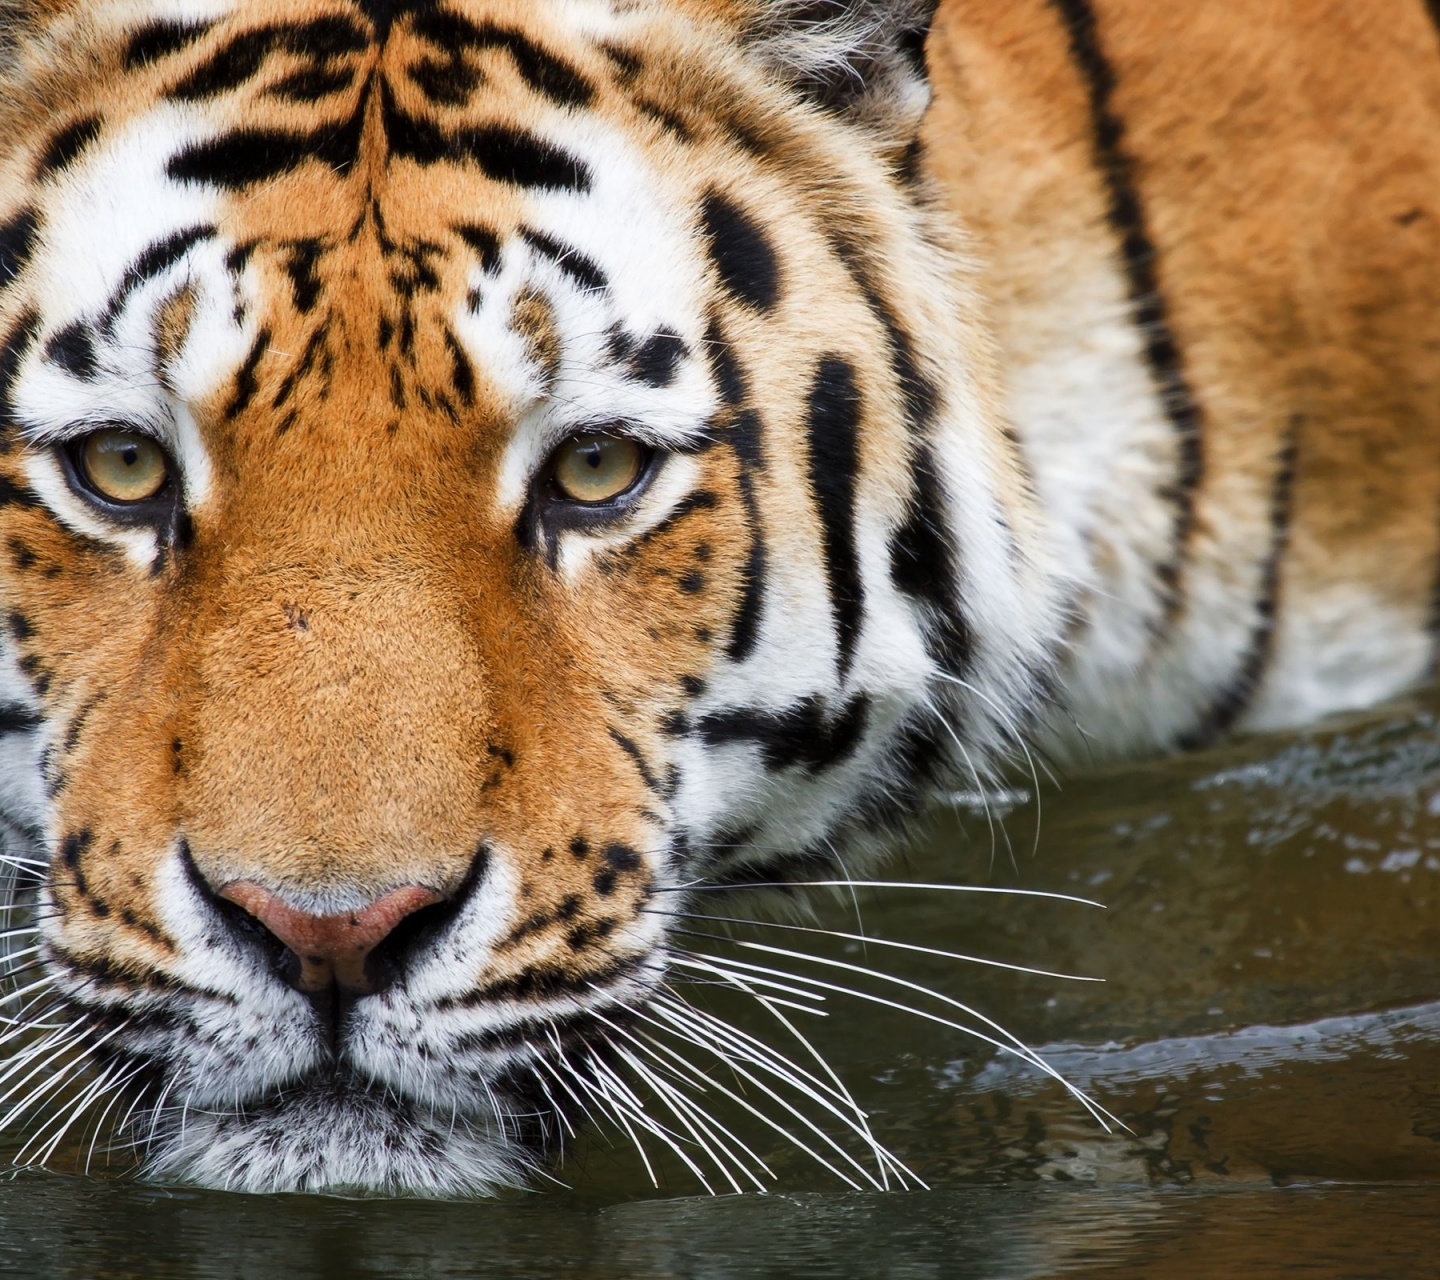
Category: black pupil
<point>594,456</point>
<point>130,455</point>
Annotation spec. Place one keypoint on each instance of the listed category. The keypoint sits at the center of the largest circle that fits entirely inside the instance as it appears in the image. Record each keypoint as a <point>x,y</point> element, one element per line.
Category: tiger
<point>477,475</point>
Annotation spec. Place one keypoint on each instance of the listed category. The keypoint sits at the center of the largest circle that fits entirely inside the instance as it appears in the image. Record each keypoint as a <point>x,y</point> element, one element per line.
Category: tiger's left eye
<point>123,467</point>
<point>594,467</point>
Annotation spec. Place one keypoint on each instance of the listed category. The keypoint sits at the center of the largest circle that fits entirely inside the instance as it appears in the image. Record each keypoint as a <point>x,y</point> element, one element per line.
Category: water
<point>1268,1031</point>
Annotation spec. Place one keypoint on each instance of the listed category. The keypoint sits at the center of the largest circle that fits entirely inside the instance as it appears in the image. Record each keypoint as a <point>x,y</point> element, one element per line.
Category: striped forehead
<point>459,212</point>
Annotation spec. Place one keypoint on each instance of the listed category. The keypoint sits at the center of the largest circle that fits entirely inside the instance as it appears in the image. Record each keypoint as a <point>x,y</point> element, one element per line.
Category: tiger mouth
<point>339,1132</point>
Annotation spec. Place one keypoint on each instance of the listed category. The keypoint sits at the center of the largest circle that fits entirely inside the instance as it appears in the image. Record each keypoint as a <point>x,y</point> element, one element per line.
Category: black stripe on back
<point>833,422</point>
<point>1151,315</point>
<point>1432,7</point>
<point>1235,698</point>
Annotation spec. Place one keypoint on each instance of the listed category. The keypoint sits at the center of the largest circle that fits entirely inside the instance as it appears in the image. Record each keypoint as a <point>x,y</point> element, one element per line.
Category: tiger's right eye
<point>122,467</point>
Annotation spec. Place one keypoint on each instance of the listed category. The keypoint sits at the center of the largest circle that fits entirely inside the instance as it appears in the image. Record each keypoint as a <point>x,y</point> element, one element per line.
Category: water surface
<point>1268,1032</point>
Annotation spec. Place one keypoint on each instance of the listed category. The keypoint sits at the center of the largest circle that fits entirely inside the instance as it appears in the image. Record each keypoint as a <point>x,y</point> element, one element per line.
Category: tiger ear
<point>863,59</point>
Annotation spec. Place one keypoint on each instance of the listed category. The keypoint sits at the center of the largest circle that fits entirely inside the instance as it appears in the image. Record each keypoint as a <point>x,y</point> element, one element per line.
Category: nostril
<point>330,949</point>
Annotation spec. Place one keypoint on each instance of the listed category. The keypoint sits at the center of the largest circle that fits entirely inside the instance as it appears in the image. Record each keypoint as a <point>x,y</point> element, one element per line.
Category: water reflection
<point>1269,1024</point>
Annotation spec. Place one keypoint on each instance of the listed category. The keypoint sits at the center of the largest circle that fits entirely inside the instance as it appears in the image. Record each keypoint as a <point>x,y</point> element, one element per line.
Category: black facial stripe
<point>922,565</point>
<point>246,384</point>
<point>541,70</point>
<point>240,60</point>
<point>833,423</point>
<point>1235,698</point>
<point>483,241</point>
<point>745,432</point>
<point>642,766</point>
<point>804,736</point>
<point>541,983</point>
<point>462,372</point>
<point>581,269</point>
<point>301,258</point>
<point>67,144</point>
<point>17,243</point>
<point>73,349</point>
<point>729,376</point>
<point>503,154</point>
<point>699,500</point>
<point>657,360</point>
<point>13,351</point>
<point>157,40</point>
<point>742,253</point>
<point>448,82</point>
<point>156,259</point>
<point>313,83</point>
<point>245,157</point>
<point>15,718</point>
<point>1148,307</point>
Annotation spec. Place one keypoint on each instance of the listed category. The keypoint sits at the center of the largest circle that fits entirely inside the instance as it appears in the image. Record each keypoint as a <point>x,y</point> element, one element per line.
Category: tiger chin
<point>477,476</point>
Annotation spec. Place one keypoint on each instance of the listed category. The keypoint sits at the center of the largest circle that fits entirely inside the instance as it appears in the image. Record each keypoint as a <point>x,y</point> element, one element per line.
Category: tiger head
<point>472,471</point>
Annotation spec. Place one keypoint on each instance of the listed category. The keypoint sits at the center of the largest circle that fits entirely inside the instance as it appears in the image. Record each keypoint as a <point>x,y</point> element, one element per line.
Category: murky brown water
<point>1268,1031</point>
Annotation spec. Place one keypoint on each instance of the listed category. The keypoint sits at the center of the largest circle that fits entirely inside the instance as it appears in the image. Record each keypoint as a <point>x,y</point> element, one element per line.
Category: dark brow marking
<point>17,242</point>
<point>448,82</point>
<point>158,40</point>
<point>742,253</point>
<point>543,71</point>
<point>73,349</point>
<point>244,157</point>
<point>66,145</point>
<point>1127,217</point>
<point>310,84</point>
<point>241,59</point>
<point>580,268</point>
<point>153,261</point>
<point>503,154</point>
<point>642,766</point>
<point>657,360</point>
<point>484,241</point>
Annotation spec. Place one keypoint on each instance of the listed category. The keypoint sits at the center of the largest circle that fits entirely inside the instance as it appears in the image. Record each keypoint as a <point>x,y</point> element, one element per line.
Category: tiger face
<point>471,472</point>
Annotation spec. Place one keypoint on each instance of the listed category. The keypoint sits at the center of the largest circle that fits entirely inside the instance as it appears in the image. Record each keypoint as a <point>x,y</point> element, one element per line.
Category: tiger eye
<point>595,468</point>
<point>124,467</point>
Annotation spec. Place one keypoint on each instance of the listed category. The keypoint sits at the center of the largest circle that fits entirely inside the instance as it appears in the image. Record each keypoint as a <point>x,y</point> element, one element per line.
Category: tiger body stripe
<point>1057,373</point>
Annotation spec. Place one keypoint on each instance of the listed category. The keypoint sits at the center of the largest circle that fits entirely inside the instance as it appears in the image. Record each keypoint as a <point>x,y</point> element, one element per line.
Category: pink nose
<point>330,948</point>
